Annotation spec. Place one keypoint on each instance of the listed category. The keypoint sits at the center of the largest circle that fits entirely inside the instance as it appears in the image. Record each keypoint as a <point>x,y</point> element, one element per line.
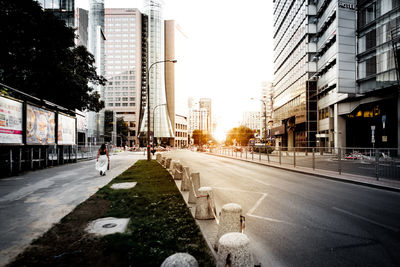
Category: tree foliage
<point>241,134</point>
<point>38,56</point>
<point>122,129</point>
<point>200,137</point>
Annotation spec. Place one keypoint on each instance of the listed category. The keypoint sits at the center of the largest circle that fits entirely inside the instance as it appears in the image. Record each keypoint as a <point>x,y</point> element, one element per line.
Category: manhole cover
<point>109,225</point>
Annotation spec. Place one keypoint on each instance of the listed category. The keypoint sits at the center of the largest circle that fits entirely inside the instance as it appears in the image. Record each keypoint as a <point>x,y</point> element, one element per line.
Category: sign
<point>66,130</point>
<point>324,135</point>
<point>347,6</point>
<point>383,121</point>
<point>384,138</point>
<point>10,121</point>
<point>40,126</point>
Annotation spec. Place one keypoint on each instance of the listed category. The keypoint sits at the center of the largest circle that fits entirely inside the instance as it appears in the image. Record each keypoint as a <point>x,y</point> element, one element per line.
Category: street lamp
<point>154,109</point>
<point>148,103</point>
<point>265,116</point>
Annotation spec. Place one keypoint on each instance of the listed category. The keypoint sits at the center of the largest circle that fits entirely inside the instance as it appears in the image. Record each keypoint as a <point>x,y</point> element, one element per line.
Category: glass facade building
<point>294,100</point>
<point>162,128</point>
<point>64,9</point>
<point>123,66</point>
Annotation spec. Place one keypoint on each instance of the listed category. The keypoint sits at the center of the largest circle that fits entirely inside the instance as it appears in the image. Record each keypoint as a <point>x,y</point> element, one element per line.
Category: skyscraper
<point>123,66</point>
<point>64,9</point>
<point>205,103</point>
<point>162,129</point>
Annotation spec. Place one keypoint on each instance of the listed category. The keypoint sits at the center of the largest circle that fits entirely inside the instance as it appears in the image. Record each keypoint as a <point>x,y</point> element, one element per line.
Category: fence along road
<point>294,219</point>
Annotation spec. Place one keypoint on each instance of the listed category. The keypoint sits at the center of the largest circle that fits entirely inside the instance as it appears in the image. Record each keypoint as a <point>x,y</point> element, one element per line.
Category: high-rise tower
<point>157,96</point>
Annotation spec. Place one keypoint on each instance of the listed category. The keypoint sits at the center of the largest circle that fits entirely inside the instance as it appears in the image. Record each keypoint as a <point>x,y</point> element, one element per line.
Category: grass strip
<point>161,225</point>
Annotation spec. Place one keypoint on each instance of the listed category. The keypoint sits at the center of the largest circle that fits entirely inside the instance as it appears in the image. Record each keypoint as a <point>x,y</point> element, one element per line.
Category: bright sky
<point>227,54</point>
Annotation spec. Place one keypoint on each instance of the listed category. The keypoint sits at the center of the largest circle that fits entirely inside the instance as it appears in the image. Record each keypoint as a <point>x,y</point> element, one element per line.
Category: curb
<point>324,176</point>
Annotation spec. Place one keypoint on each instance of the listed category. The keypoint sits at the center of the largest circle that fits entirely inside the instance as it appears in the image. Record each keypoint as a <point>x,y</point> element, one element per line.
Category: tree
<point>38,57</point>
<point>241,134</point>
<point>200,138</point>
<point>122,129</point>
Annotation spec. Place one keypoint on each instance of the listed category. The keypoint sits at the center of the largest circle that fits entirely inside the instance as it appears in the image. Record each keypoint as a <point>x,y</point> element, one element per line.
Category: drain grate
<point>109,225</point>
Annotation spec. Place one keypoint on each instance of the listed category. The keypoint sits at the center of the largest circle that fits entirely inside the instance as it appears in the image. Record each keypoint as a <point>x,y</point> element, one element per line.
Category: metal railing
<point>371,162</point>
<point>16,159</point>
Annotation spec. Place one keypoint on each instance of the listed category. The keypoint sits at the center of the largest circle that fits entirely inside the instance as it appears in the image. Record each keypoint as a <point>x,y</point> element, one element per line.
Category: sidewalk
<point>32,202</point>
<point>382,183</point>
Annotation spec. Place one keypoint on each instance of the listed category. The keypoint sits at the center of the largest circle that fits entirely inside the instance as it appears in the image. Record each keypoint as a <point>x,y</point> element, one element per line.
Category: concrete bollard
<point>234,249</point>
<point>194,187</point>
<point>180,260</point>
<point>158,157</point>
<point>162,162</point>
<point>178,171</point>
<point>229,220</point>
<point>185,185</point>
<point>168,163</point>
<point>172,165</point>
<point>204,204</point>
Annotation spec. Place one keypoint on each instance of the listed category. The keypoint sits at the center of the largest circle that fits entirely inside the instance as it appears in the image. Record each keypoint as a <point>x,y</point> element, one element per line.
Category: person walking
<point>102,159</point>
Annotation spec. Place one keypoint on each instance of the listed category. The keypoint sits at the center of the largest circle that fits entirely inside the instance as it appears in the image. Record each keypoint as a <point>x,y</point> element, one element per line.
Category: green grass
<point>161,223</point>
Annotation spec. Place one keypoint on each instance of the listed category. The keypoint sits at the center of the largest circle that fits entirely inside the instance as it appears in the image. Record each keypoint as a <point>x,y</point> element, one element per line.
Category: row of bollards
<point>232,244</point>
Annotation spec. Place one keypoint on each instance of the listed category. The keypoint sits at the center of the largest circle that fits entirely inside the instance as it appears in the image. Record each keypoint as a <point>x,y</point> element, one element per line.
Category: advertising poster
<point>66,130</point>
<point>40,126</point>
<point>10,121</point>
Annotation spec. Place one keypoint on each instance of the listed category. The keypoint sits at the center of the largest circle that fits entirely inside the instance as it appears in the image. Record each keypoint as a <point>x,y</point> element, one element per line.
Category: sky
<point>225,57</point>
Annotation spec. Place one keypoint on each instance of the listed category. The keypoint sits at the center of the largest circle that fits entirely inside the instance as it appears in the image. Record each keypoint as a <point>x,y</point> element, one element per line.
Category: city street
<point>294,219</point>
<point>32,202</point>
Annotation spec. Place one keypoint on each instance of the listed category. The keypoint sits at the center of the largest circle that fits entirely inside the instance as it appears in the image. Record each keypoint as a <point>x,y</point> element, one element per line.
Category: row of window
<point>180,126</point>
<point>120,19</point>
<point>119,67</point>
<point>109,56</point>
<point>120,93</point>
<point>180,134</point>
<point>121,82</point>
<point>111,45</point>
<point>119,35</point>
<point>124,77</point>
<point>125,29</point>
<point>120,104</point>
<point>120,99</point>
<point>120,61</point>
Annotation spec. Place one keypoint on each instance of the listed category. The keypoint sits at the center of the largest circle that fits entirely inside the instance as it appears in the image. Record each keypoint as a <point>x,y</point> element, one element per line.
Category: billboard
<point>10,121</point>
<point>66,130</point>
<point>40,126</point>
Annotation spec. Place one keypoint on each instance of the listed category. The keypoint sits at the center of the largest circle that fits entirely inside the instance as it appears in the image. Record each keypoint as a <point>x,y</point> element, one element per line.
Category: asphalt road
<point>32,202</point>
<point>295,219</point>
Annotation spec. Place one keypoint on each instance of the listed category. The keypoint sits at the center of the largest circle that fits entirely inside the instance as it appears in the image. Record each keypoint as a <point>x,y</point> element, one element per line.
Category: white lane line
<point>269,219</point>
<point>237,190</point>
<point>366,219</point>
<point>257,204</point>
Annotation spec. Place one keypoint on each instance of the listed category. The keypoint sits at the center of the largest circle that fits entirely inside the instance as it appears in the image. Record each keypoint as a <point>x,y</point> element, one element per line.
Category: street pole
<point>148,104</point>
<point>154,109</point>
<point>265,117</point>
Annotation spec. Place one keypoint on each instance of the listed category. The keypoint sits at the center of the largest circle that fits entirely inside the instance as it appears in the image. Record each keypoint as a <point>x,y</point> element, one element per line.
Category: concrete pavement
<point>32,202</point>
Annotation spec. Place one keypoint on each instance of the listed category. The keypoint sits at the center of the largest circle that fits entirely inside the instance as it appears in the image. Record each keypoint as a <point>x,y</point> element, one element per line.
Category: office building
<point>266,108</point>
<point>64,9</point>
<point>181,131</point>
<point>81,25</point>
<point>205,103</point>
<point>253,120</point>
<point>123,66</point>
<point>162,127</point>
<point>294,100</point>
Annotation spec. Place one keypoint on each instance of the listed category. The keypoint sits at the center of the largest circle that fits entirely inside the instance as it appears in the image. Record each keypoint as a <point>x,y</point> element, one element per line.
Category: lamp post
<point>154,109</point>
<point>148,103</point>
<point>265,116</point>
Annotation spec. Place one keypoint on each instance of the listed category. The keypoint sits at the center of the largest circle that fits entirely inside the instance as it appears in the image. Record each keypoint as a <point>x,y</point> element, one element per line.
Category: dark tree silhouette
<point>38,56</point>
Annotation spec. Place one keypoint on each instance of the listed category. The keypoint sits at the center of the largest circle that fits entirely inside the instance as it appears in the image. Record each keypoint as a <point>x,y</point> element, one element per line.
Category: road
<point>387,169</point>
<point>31,203</point>
<point>294,219</point>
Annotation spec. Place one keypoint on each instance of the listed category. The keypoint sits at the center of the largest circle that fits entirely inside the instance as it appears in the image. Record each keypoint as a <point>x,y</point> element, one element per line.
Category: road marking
<point>257,204</point>
<point>237,190</point>
<point>366,219</point>
<point>269,219</point>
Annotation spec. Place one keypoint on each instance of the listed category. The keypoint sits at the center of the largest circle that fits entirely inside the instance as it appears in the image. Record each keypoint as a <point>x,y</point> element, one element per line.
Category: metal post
<point>294,157</point>
<point>313,158</point>
<point>47,157</point>
<point>40,157</point>
<point>11,162</point>
<point>259,154</point>
<point>252,154</point>
<point>340,160</point>
<point>58,155</point>
<point>280,156</point>
<point>20,160</point>
<point>267,155</point>
<point>377,164</point>
<point>31,158</point>
<point>246,152</point>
